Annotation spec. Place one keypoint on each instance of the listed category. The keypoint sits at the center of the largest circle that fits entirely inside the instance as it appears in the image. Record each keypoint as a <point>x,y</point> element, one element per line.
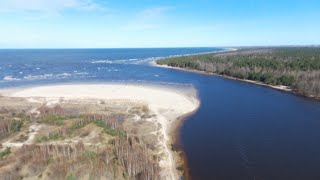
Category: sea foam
<point>11,78</point>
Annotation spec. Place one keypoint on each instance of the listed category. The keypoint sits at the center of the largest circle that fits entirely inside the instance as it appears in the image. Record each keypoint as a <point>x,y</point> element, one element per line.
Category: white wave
<point>46,76</point>
<point>146,60</point>
<point>133,59</point>
<point>35,77</point>
<point>150,59</point>
<point>118,61</point>
<point>11,78</point>
<point>63,75</point>
<point>101,62</point>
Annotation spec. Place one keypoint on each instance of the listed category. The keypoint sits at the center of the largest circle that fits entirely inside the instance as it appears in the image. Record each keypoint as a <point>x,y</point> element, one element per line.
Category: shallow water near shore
<point>241,131</point>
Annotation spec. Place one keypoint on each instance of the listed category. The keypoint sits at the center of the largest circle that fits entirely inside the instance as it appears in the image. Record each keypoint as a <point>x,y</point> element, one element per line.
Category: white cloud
<point>151,18</point>
<point>46,6</point>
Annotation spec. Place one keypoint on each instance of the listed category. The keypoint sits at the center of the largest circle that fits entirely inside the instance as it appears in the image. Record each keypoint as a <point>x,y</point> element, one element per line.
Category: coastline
<point>175,142</point>
<point>169,105</point>
<point>153,62</point>
<point>276,87</point>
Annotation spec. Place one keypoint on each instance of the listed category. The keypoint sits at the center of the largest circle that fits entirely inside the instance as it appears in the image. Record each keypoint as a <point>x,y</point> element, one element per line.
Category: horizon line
<point>161,47</point>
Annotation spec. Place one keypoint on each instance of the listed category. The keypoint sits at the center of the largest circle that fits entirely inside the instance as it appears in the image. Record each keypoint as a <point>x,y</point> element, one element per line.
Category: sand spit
<point>168,104</point>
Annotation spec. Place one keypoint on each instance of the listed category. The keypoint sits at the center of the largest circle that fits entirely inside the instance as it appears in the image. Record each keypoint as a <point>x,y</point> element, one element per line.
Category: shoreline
<point>177,145</point>
<point>153,62</point>
<point>276,87</point>
<point>168,104</point>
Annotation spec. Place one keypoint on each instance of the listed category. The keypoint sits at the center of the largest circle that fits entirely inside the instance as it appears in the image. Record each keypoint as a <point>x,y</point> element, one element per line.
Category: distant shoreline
<point>287,89</point>
<point>278,87</point>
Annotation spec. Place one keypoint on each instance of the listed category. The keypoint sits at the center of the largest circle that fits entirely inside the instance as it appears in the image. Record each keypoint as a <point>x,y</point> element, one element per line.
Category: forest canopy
<point>296,67</point>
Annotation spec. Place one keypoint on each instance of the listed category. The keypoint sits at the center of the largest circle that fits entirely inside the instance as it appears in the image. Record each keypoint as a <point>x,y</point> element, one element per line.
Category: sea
<point>241,131</point>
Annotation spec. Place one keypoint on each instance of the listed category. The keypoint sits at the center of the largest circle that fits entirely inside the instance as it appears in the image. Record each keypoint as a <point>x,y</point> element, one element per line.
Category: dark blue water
<point>241,131</point>
<point>247,132</point>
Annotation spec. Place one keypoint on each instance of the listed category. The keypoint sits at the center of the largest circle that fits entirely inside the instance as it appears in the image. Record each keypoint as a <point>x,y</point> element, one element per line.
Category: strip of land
<point>164,106</point>
<point>292,69</point>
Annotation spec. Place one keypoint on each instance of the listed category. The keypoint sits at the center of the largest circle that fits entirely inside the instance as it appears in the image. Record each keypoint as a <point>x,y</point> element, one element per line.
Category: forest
<point>74,144</point>
<point>295,67</point>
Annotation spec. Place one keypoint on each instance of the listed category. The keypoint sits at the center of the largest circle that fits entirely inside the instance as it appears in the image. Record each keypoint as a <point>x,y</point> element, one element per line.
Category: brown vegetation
<point>118,156</point>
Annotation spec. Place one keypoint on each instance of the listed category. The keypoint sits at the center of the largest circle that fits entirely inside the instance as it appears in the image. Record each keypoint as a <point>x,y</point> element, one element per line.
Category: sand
<point>167,103</point>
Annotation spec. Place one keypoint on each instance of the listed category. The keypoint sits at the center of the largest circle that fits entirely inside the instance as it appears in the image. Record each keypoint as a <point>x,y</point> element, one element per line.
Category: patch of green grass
<point>71,177</point>
<point>77,124</point>
<point>54,119</point>
<point>5,153</point>
<point>108,129</point>
<point>90,154</point>
<point>50,137</point>
<point>42,139</point>
<point>15,126</point>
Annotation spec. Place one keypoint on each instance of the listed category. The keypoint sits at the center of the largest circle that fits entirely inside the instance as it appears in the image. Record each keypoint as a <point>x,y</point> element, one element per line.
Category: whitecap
<point>101,62</point>
<point>63,75</point>
<point>46,76</point>
<point>35,77</point>
<point>11,78</point>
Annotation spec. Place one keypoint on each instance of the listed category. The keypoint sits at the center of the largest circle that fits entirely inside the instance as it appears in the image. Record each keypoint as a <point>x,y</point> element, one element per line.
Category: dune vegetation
<point>56,142</point>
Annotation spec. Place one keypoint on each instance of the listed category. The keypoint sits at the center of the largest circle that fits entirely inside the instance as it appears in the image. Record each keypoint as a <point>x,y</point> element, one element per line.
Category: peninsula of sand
<point>166,104</point>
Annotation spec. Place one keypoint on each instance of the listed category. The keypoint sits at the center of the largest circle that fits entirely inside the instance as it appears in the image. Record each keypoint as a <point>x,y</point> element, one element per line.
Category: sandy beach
<point>167,104</point>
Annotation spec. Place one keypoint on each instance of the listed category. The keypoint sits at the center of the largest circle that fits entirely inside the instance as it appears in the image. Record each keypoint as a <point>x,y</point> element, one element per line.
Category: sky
<point>157,23</point>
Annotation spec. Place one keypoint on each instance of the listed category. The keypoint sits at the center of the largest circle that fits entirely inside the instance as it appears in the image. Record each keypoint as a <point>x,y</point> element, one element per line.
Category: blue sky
<point>157,23</point>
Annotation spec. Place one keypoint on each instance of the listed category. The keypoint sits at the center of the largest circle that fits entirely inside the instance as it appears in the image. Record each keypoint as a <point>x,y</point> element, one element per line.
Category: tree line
<point>296,67</point>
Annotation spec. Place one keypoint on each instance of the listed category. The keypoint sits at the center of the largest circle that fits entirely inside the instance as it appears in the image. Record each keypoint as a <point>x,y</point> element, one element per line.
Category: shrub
<point>5,153</point>
<point>15,126</point>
